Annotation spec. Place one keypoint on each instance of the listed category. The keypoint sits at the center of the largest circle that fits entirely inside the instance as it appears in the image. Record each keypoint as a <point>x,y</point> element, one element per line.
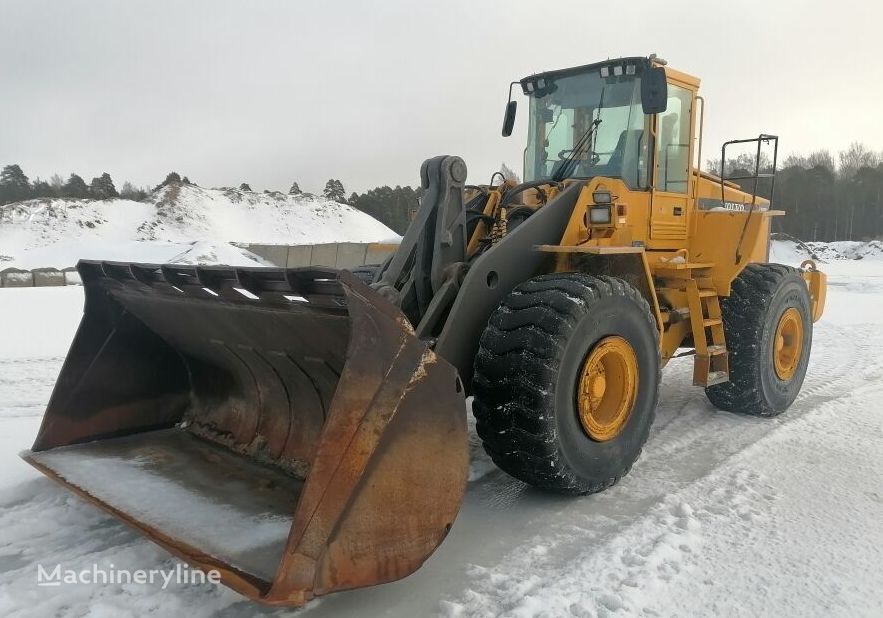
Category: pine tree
<point>186,181</point>
<point>170,178</point>
<point>14,185</point>
<point>75,187</point>
<point>244,187</point>
<point>41,188</point>
<point>102,187</point>
<point>392,207</point>
<point>295,189</point>
<point>334,191</point>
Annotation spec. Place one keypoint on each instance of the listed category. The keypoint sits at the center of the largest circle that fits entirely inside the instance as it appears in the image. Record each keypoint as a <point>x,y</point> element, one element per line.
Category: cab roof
<point>643,61</point>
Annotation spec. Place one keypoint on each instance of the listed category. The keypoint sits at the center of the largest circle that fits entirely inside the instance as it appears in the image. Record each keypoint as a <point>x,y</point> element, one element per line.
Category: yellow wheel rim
<point>788,344</point>
<point>608,386</point>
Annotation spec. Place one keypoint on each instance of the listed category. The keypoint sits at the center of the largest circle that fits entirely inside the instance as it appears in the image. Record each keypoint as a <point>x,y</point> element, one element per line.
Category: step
<point>714,350</point>
<point>682,265</point>
<point>703,293</point>
<point>717,377</point>
<point>711,322</point>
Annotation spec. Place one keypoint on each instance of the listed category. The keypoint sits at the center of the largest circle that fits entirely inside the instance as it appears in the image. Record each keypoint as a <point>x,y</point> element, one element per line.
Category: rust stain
<point>374,421</point>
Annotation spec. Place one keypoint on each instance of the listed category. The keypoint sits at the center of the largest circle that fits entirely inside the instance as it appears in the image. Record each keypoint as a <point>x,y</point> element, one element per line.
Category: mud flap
<point>282,426</point>
<point>817,283</point>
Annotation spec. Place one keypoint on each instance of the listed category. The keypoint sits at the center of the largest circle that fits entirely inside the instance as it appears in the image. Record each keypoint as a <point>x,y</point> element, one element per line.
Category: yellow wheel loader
<point>303,430</point>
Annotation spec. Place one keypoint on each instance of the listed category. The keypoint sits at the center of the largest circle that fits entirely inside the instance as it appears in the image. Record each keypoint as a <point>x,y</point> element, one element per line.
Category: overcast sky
<point>267,92</point>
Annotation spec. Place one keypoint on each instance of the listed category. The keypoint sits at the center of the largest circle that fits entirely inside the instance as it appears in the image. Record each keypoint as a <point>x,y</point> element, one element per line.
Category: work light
<point>599,215</point>
<point>602,197</point>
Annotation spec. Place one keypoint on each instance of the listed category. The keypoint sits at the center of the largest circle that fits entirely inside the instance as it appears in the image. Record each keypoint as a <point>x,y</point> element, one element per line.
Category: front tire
<point>768,328</point>
<point>566,381</point>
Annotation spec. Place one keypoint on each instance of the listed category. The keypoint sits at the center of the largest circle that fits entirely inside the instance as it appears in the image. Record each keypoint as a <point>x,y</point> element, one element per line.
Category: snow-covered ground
<point>58,232</point>
<point>722,514</point>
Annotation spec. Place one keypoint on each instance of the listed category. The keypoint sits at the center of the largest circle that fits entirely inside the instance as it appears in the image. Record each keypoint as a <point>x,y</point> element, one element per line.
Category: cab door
<point>672,179</point>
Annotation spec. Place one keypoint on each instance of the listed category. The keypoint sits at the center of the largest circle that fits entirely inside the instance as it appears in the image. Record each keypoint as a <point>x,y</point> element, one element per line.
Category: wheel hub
<point>608,387</point>
<point>788,344</point>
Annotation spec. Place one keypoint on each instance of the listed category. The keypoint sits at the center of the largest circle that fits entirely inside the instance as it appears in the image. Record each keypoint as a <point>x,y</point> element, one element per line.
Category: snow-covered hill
<point>786,249</point>
<point>58,232</point>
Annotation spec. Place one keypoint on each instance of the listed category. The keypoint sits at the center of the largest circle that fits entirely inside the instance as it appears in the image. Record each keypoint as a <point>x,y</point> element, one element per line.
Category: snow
<point>130,473</point>
<point>721,515</point>
<point>58,232</point>
<point>68,253</point>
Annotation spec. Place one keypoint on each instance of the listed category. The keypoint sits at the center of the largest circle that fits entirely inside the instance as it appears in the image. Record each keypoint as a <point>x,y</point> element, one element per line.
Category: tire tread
<point>516,369</point>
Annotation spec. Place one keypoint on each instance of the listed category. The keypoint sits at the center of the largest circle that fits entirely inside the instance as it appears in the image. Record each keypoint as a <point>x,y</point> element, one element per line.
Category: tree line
<point>826,198</point>
<point>390,206</point>
<point>15,186</point>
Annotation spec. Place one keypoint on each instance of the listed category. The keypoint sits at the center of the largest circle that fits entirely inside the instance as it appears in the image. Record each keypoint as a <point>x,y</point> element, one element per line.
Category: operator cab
<point>595,120</point>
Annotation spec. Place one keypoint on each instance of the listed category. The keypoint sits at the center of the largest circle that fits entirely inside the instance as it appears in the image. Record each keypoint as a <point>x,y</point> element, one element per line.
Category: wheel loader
<point>303,430</point>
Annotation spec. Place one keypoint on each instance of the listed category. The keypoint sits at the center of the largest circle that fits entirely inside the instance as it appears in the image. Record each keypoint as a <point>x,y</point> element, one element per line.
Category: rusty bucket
<point>281,426</point>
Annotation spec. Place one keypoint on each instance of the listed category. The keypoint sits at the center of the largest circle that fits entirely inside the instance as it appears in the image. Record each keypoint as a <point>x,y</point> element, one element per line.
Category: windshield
<point>561,114</point>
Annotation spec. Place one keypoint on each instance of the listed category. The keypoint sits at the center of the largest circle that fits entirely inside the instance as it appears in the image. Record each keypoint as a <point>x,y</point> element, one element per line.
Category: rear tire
<point>764,380</point>
<point>528,377</point>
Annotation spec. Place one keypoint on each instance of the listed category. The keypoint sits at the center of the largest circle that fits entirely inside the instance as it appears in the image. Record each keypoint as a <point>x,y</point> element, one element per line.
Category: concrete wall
<point>38,278</point>
<point>16,278</point>
<point>45,277</point>
<point>335,255</point>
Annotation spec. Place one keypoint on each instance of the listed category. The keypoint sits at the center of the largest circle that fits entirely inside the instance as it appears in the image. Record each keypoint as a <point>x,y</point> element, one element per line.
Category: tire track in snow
<point>661,538</point>
<point>25,385</point>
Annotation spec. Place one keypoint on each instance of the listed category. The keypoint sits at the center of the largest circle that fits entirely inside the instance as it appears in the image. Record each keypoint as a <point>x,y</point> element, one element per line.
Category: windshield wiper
<point>568,165</point>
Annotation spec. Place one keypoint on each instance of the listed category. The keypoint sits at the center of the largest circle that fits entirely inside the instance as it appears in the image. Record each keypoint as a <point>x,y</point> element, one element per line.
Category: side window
<point>673,141</point>
<point>559,135</point>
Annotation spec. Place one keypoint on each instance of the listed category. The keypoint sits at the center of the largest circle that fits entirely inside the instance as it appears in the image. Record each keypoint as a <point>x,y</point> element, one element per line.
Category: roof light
<point>605,71</point>
<point>629,69</point>
<point>541,83</point>
<point>617,70</point>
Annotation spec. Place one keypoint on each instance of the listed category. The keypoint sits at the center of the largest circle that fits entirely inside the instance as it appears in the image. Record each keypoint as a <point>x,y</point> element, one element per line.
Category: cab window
<point>673,141</point>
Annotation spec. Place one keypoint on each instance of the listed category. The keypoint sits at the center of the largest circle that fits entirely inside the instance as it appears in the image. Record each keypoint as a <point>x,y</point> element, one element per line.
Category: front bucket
<point>281,426</point>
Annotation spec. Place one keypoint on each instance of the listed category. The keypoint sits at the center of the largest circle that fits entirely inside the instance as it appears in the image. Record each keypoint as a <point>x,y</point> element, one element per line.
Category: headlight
<point>602,197</point>
<point>599,215</point>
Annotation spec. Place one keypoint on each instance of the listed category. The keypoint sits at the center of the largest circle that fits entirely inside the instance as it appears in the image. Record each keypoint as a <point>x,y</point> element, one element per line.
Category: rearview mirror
<point>654,91</point>
<point>509,118</point>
